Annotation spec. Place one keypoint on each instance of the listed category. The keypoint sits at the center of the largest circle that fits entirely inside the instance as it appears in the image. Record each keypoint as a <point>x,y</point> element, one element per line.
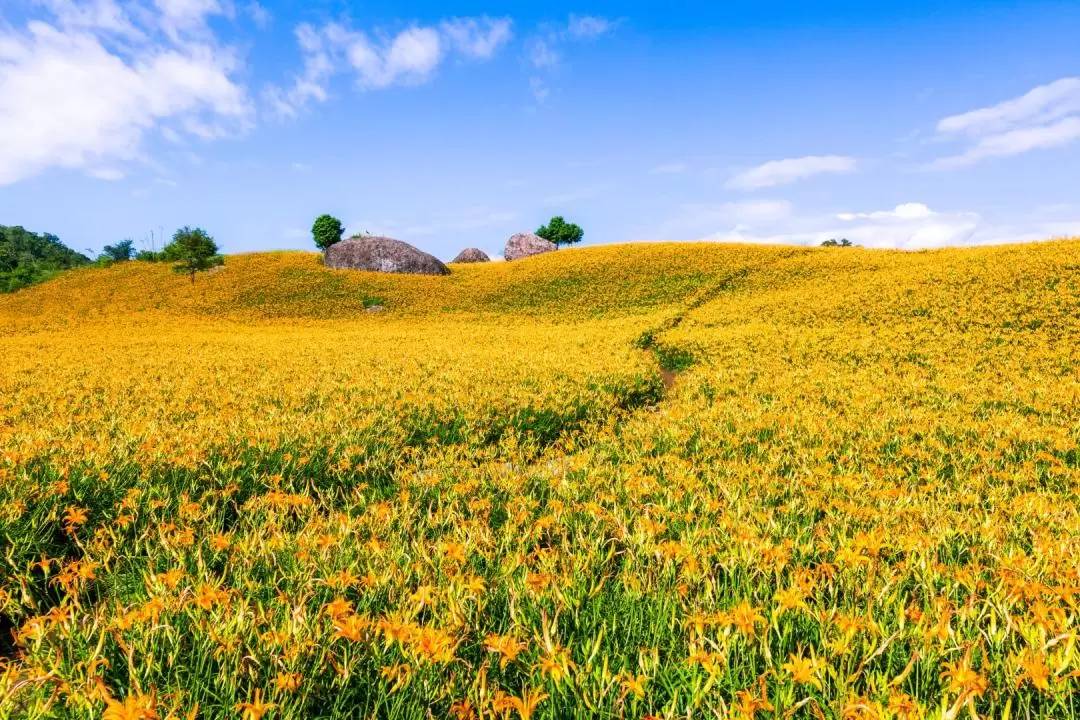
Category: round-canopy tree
<point>192,250</point>
<point>560,232</point>
<point>326,231</point>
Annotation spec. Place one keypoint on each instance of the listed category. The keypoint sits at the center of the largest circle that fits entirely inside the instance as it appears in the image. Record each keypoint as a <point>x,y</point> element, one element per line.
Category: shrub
<point>560,232</point>
<point>326,231</point>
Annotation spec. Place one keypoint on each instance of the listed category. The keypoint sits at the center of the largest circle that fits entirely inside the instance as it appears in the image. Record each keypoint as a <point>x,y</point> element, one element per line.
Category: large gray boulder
<point>471,255</point>
<point>382,254</point>
<point>525,245</point>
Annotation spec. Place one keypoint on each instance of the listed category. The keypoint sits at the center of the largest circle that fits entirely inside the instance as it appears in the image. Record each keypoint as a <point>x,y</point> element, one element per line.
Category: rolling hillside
<point>655,479</point>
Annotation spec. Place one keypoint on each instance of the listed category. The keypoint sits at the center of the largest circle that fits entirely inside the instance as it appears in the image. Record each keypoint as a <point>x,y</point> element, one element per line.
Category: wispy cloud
<point>380,60</point>
<point>478,37</point>
<point>908,226</point>
<point>589,26</point>
<point>544,48</point>
<point>1045,117</point>
<point>785,172</point>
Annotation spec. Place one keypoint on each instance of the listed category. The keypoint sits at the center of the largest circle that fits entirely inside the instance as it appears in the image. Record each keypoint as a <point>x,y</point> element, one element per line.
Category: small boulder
<point>525,245</point>
<point>471,255</point>
<point>382,254</point>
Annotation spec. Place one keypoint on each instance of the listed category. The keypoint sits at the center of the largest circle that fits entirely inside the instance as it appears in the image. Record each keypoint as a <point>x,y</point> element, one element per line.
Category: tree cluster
<point>27,258</point>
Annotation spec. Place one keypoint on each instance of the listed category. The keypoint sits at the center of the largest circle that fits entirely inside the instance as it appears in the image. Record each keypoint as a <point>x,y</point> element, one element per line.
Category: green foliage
<point>560,232</point>
<point>120,252</point>
<point>150,256</point>
<point>27,258</point>
<point>327,231</point>
<point>833,242</point>
<point>192,250</point>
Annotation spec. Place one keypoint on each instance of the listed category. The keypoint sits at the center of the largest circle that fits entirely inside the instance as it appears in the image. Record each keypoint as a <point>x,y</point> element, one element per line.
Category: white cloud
<point>542,49</point>
<point>382,60</point>
<point>310,83</point>
<point>669,169</point>
<point>408,58</point>
<point>542,54</point>
<point>259,15</point>
<point>1045,117</point>
<point>587,26</point>
<point>106,173</point>
<point>784,172</point>
<point>478,37</point>
<point>1036,107</point>
<point>75,93</point>
<point>180,16</point>
<point>1014,142</point>
<point>907,226</point>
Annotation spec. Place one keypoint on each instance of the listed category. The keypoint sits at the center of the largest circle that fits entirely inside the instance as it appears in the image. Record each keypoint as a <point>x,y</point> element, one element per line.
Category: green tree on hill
<point>192,250</point>
<point>120,252</point>
<point>560,232</point>
<point>833,242</point>
<point>326,231</point>
<point>27,258</point>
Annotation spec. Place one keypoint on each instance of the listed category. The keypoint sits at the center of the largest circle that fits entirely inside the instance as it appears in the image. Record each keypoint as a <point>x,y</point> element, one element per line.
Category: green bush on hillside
<point>27,258</point>
<point>560,232</point>
<point>120,252</point>
<point>327,231</point>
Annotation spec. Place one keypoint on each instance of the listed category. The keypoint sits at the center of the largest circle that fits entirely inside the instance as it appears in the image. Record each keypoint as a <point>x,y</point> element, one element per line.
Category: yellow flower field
<point>652,480</point>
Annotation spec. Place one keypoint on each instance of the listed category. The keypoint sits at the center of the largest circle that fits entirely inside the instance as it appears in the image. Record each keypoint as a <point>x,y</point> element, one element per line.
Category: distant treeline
<point>27,258</point>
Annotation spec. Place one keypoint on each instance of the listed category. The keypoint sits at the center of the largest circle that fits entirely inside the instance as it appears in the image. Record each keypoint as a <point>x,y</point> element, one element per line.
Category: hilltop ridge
<point>613,280</point>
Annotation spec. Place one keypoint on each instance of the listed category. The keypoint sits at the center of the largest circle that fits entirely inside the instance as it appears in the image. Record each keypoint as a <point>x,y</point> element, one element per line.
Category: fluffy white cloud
<point>784,172</point>
<point>82,91</point>
<point>908,226</point>
<point>380,60</point>
<point>1047,116</point>
<point>409,57</point>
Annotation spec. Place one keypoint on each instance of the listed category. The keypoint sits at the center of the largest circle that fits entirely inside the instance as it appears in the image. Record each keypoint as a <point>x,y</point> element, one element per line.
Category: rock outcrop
<point>382,254</point>
<point>471,255</point>
<point>525,245</point>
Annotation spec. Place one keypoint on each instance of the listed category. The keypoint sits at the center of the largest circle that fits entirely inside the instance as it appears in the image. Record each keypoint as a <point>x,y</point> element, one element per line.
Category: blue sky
<point>915,124</point>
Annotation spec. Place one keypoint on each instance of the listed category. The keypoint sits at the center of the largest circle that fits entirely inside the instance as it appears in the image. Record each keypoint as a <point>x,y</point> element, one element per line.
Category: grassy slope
<point>894,433</point>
